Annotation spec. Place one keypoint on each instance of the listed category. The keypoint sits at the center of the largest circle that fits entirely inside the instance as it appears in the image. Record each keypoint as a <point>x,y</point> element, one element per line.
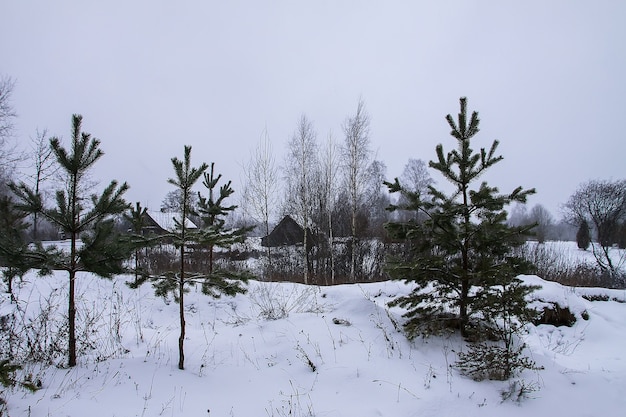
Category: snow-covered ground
<point>289,350</point>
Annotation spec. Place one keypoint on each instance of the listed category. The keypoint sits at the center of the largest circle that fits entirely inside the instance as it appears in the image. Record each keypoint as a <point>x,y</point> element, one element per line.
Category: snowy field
<point>289,350</point>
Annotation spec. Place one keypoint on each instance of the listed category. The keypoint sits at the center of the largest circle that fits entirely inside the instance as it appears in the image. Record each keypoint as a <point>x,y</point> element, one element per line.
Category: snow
<point>239,362</point>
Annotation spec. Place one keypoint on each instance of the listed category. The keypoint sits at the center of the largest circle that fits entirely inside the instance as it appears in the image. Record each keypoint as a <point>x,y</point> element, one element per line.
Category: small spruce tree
<point>583,235</point>
<point>463,247</point>
<point>13,245</point>
<point>621,235</point>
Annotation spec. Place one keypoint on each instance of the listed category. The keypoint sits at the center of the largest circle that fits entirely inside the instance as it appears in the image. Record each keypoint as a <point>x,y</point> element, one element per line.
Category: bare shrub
<point>553,264</point>
<point>274,302</point>
<point>518,391</point>
<point>38,334</point>
<point>556,316</point>
<point>161,259</point>
<point>37,329</point>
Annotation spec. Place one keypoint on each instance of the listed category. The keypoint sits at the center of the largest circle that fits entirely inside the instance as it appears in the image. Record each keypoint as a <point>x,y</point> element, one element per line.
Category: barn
<point>286,233</point>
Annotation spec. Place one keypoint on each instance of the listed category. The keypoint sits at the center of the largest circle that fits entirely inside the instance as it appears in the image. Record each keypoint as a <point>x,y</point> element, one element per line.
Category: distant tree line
<point>334,190</point>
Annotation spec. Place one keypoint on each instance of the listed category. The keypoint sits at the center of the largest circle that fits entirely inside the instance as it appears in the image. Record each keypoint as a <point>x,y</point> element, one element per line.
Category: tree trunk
<point>181,294</point>
<point>353,243</point>
<point>465,284</point>
<point>71,314</point>
<point>35,221</point>
<point>306,257</point>
<point>136,266</point>
<point>463,305</point>
<point>181,339</point>
<point>266,222</point>
<point>330,246</point>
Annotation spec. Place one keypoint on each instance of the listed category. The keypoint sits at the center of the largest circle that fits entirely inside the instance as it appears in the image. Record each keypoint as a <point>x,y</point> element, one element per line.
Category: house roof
<point>287,232</point>
<point>165,220</point>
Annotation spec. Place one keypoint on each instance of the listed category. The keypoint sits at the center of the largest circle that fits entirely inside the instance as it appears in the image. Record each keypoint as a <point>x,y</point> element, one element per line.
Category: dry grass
<point>556,264</point>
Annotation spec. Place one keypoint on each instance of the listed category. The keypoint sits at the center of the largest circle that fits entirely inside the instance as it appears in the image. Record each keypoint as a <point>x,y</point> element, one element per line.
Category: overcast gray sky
<point>547,77</point>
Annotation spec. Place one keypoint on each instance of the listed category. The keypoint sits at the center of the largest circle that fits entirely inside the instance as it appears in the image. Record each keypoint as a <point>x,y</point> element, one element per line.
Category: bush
<point>7,379</point>
<point>274,302</point>
<point>556,316</point>
<point>491,361</point>
<point>37,328</point>
<point>583,236</point>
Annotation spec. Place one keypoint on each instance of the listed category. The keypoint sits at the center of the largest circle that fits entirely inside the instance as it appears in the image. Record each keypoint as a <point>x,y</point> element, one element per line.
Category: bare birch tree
<point>7,114</point>
<point>261,186</point>
<point>9,155</point>
<point>377,199</point>
<point>329,168</point>
<point>415,178</point>
<point>300,167</point>
<point>45,167</point>
<point>543,220</point>
<point>355,158</point>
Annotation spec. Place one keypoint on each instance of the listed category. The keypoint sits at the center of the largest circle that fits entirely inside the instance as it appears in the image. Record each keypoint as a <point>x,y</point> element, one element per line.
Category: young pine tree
<point>87,220</point>
<point>136,218</point>
<point>13,245</point>
<point>213,233</point>
<point>504,315</point>
<point>463,243</point>
<point>211,209</point>
<point>7,380</point>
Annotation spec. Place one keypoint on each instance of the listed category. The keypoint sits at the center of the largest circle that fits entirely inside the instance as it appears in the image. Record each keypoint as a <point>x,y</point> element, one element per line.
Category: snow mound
<point>333,351</point>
